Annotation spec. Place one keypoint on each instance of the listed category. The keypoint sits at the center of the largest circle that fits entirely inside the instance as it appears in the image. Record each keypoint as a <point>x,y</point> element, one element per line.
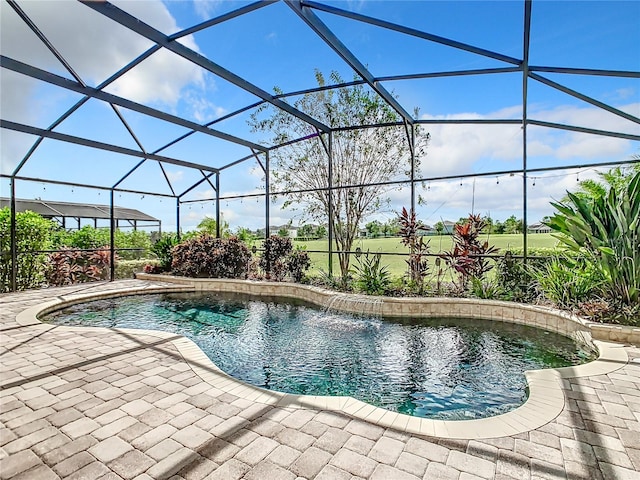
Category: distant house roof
<point>539,228</point>
<point>51,209</point>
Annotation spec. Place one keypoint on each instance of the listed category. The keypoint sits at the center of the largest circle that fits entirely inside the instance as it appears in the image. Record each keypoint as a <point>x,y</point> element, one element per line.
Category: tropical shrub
<point>85,238</point>
<point>133,244</point>
<point>606,230</point>
<point>468,256</point>
<point>567,282</point>
<point>325,280</point>
<point>515,278</point>
<point>610,310</point>
<point>206,256</point>
<point>67,266</point>
<point>418,262</point>
<point>371,277</point>
<point>162,248</point>
<point>298,262</point>
<point>485,289</point>
<point>127,268</point>
<point>275,250</point>
<point>152,268</point>
<point>278,259</point>
<point>32,235</point>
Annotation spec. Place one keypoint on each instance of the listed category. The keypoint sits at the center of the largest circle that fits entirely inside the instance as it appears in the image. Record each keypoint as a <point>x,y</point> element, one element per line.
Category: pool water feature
<point>447,369</point>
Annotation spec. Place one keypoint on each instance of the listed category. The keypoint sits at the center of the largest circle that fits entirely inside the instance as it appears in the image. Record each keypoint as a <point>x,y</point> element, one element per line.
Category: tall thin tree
<point>362,159</point>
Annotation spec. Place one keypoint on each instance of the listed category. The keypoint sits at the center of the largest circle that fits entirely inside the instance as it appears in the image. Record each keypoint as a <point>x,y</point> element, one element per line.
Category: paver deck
<point>102,404</point>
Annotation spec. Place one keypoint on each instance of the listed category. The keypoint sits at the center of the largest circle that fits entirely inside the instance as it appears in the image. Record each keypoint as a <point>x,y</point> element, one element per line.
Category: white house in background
<point>448,226</point>
<point>275,229</point>
<point>538,228</point>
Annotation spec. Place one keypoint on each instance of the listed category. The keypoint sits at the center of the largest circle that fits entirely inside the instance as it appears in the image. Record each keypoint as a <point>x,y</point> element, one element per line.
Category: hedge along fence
<point>33,235</point>
<point>66,267</point>
<point>38,240</point>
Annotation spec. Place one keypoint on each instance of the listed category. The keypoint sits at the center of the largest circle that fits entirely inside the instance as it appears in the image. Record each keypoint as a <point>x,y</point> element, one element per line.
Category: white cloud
<point>160,79</point>
<point>206,8</point>
<point>158,16</point>
<point>589,146</point>
<point>564,147</point>
<point>13,105</point>
<point>205,194</point>
<point>104,47</point>
<point>13,145</point>
<point>457,149</point>
<point>175,176</point>
<point>271,37</point>
<point>624,93</point>
<point>202,110</point>
<point>95,48</point>
<point>590,117</point>
<point>356,5</point>
<point>499,197</point>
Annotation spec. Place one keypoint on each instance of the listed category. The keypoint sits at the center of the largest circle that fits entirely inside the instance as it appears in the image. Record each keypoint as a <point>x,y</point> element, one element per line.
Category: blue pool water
<point>438,368</point>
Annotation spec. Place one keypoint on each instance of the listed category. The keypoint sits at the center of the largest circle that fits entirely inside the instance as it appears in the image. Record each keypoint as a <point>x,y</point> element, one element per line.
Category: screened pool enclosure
<point>157,107</point>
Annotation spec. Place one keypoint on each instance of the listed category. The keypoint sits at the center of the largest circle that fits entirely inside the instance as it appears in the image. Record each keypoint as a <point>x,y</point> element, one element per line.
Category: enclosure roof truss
<point>307,13</point>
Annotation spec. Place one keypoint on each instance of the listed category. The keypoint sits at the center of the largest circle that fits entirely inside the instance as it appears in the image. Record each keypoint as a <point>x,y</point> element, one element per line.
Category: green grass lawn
<point>397,265</point>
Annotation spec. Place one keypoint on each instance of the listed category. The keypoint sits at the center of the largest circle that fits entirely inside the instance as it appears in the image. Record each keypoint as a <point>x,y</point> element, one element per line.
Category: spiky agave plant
<point>606,229</point>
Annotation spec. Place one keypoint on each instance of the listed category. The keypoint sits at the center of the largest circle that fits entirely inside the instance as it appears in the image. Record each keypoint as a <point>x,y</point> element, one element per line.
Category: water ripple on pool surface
<point>437,368</point>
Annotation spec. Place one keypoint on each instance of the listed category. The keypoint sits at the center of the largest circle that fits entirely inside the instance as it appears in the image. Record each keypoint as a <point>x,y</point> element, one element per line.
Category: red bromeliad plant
<point>468,256</point>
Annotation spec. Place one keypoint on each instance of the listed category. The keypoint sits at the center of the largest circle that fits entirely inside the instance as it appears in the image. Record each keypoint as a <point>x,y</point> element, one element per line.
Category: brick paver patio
<point>100,404</point>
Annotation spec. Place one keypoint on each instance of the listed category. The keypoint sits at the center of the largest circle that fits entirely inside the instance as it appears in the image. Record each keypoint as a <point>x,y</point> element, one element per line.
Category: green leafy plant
<point>162,248</point>
<point>515,278</point>
<point>606,229</point>
<point>209,226</point>
<point>332,282</point>
<point>487,289</point>
<point>371,277</point>
<point>245,235</point>
<point>132,245</point>
<point>128,268</point>
<point>206,256</point>
<point>33,234</point>
<point>87,238</point>
<point>567,282</point>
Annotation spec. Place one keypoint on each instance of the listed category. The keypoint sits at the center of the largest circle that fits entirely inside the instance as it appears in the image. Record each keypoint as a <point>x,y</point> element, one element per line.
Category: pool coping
<point>545,402</point>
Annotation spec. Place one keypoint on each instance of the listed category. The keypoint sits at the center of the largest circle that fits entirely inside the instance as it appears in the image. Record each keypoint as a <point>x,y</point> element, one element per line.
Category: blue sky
<point>272,47</point>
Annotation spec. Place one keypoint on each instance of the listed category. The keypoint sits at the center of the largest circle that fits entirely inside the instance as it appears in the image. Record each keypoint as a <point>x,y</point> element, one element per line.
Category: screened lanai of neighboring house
<point>71,215</point>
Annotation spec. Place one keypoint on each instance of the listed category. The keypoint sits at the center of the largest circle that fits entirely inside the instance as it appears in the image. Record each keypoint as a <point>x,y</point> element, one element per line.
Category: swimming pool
<point>438,368</point>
